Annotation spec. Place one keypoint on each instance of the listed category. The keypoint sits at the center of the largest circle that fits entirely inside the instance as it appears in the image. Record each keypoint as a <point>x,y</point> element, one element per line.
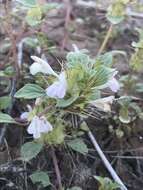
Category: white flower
<point>76,49</point>
<point>39,125</point>
<point>113,84</point>
<point>58,88</point>
<point>41,66</point>
<point>103,103</point>
<point>25,115</point>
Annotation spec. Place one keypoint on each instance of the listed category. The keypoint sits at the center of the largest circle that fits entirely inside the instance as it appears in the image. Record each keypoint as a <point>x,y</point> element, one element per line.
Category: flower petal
<point>53,90</point>
<point>35,68</point>
<point>32,127</point>
<point>24,115</point>
<point>113,84</point>
<point>76,49</point>
<point>44,66</point>
<point>39,125</point>
<point>58,88</point>
<point>45,125</point>
<point>36,134</point>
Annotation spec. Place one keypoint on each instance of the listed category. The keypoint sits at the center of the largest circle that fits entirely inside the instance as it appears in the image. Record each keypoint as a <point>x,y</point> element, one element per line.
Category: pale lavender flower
<point>25,115</point>
<point>113,84</point>
<point>76,49</point>
<point>41,66</point>
<point>58,88</point>
<point>38,126</point>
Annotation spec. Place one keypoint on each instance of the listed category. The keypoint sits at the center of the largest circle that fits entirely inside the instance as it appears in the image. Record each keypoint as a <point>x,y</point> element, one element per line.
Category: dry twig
<point>57,170</point>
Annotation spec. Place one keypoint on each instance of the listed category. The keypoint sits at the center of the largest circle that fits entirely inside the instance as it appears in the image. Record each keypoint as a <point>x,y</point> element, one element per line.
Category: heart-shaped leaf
<point>30,91</point>
<point>30,150</point>
<point>5,118</point>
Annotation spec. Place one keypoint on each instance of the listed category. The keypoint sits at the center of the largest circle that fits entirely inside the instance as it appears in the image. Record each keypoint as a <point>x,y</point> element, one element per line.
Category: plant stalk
<point>106,162</point>
<point>109,32</point>
<point>57,170</point>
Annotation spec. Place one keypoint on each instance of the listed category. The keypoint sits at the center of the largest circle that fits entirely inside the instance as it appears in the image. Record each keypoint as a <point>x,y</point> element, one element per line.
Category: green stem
<point>109,32</point>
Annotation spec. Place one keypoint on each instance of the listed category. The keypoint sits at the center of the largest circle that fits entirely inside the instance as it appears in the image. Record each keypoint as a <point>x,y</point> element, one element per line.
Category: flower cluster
<point>59,89</point>
<point>38,124</point>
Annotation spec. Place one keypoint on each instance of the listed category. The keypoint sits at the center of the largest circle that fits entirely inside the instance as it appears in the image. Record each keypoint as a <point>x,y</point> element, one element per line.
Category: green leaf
<point>9,71</point>
<point>124,115</point>
<point>30,91</point>
<point>100,77</point>
<point>31,42</point>
<point>84,126</point>
<point>30,150</point>
<point>136,60</point>
<point>65,103</point>
<point>5,102</point>
<point>2,74</point>
<point>28,3</point>
<point>5,118</point>
<point>116,12</point>
<point>106,183</point>
<point>34,16</point>
<point>119,133</point>
<point>139,87</point>
<point>107,58</point>
<point>40,177</point>
<point>76,58</point>
<point>74,188</point>
<point>78,145</point>
<point>94,95</point>
<point>125,102</point>
<point>115,19</point>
